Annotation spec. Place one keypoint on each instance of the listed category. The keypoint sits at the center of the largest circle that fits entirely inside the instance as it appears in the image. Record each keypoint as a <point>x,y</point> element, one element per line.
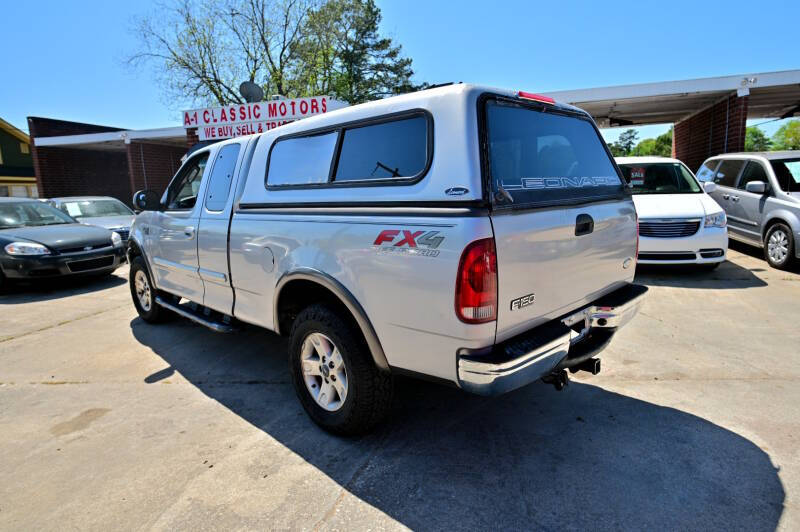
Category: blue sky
<point>66,59</point>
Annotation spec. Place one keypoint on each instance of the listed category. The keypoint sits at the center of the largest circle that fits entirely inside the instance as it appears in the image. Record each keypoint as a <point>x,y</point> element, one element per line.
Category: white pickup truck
<point>481,237</point>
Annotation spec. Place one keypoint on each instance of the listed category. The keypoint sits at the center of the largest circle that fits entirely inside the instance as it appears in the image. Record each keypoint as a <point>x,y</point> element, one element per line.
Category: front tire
<point>334,375</point>
<point>144,295</point>
<point>779,246</point>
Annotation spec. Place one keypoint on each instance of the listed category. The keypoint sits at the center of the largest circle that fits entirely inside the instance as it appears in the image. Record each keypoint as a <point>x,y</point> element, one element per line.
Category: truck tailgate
<point>545,270</point>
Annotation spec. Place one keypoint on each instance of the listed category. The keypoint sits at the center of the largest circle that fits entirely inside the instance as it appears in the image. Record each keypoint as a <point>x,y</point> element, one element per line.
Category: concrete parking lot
<point>107,422</point>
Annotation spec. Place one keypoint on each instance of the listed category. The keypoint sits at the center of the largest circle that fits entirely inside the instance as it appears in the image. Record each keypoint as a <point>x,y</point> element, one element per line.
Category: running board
<point>215,326</point>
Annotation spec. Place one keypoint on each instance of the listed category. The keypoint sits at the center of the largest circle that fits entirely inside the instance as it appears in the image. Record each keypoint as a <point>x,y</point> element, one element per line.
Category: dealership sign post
<point>236,120</point>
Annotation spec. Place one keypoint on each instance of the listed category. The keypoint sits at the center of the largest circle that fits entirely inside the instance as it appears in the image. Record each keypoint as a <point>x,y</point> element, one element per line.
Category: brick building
<point>75,159</point>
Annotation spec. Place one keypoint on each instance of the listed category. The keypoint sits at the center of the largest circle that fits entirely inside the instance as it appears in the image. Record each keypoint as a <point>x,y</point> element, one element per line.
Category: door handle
<point>726,196</point>
<point>584,224</point>
<point>189,232</point>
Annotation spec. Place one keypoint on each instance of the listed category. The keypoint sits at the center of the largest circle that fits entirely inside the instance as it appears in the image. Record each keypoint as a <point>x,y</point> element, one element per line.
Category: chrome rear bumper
<point>557,344</point>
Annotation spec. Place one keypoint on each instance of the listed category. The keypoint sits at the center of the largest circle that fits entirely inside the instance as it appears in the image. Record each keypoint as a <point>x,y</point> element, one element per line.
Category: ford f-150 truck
<point>476,236</point>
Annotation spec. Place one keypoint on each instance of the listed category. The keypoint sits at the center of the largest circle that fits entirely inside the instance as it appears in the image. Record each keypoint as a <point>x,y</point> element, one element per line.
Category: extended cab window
<point>541,157</point>
<point>183,189</point>
<point>219,184</point>
<point>389,150</point>
<point>301,160</point>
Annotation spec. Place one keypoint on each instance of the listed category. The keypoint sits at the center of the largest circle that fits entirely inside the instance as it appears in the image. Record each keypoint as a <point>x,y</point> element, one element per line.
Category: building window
<point>3,191</point>
<point>24,148</point>
<point>1,156</point>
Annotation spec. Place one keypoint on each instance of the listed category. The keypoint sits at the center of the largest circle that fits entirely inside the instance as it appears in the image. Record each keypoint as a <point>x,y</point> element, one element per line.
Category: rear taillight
<point>476,284</point>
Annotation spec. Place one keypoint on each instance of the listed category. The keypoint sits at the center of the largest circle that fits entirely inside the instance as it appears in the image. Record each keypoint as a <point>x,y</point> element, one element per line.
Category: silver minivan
<point>760,192</point>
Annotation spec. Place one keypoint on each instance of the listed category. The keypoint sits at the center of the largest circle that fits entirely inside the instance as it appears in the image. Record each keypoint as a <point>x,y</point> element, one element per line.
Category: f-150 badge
<point>523,301</point>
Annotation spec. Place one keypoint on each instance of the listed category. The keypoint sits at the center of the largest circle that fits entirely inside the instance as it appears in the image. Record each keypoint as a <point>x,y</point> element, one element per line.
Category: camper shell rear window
<point>539,154</point>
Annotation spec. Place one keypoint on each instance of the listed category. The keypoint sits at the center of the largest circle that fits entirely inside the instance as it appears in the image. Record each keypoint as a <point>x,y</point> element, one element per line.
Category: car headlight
<point>116,239</point>
<point>26,248</point>
<point>716,220</point>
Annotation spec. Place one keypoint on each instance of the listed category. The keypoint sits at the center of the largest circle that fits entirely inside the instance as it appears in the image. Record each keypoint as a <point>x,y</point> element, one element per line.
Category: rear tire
<point>334,375</point>
<point>779,246</point>
<point>144,295</point>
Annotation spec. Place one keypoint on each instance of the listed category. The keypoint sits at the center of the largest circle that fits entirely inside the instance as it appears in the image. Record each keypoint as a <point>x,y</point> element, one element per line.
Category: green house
<point>16,164</point>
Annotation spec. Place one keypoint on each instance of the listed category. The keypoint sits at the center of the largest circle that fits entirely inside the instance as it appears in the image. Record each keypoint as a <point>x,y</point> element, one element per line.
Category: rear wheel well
<point>299,294</point>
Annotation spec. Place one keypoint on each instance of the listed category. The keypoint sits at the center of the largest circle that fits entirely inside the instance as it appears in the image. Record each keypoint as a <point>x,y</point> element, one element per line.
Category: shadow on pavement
<point>727,275</point>
<point>535,458</point>
<point>49,289</point>
<point>757,253</point>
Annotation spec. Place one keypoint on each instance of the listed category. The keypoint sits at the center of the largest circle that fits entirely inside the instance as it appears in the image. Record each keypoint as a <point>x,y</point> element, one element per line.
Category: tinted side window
<point>706,172</point>
<point>390,150</point>
<point>219,184</point>
<point>183,189</point>
<point>753,172</point>
<point>788,174</point>
<point>301,160</point>
<point>727,173</point>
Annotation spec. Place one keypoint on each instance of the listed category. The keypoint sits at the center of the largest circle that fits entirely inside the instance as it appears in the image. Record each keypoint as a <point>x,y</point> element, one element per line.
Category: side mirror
<point>756,187</point>
<point>147,200</point>
<point>709,186</point>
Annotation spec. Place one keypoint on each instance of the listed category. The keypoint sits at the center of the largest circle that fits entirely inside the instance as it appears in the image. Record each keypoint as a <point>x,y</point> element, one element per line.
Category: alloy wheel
<point>324,371</point>
<point>143,294</point>
<point>778,246</point>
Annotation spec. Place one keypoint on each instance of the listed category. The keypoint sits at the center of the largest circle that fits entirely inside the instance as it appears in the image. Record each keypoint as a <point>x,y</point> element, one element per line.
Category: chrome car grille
<point>674,228</point>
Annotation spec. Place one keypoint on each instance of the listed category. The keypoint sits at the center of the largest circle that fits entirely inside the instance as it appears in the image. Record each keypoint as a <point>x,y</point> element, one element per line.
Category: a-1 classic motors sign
<point>236,120</point>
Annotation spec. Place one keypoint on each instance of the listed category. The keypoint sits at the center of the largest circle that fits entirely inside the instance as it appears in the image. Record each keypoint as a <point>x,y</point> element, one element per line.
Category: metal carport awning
<point>115,140</point>
<point>770,95</point>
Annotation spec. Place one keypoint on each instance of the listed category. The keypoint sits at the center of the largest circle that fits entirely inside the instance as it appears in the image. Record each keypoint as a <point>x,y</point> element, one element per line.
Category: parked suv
<point>760,193</point>
<point>475,236</point>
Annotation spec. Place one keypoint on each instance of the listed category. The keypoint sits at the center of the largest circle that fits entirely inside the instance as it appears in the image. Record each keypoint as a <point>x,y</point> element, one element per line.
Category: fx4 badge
<point>411,242</point>
<point>522,302</point>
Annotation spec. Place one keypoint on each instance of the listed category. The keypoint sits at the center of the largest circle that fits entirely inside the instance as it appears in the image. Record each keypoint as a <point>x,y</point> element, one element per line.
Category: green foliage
<point>345,56</point>
<point>787,137</point>
<point>661,146</point>
<point>756,140</point>
<point>626,144</point>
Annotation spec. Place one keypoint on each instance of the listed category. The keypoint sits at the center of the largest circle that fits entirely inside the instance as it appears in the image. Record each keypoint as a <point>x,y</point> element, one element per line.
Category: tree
<point>345,56</point>
<point>627,140</point>
<point>756,140</point>
<point>661,145</point>
<point>201,50</point>
<point>787,137</point>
